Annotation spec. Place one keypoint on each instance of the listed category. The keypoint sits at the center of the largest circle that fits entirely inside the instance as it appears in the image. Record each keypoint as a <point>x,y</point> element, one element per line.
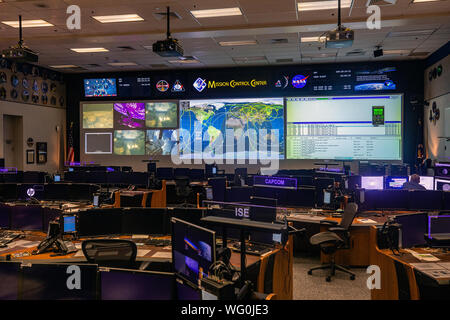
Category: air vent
<point>279,41</point>
<point>126,48</point>
<point>284,60</point>
<point>381,2</point>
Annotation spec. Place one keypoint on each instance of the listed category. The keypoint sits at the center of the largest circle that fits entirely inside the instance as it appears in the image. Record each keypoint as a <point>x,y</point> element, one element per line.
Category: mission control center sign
<point>201,83</point>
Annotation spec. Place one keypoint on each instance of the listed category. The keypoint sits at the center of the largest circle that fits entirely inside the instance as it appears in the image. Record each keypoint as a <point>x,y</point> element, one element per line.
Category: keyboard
<point>7,237</point>
<point>158,242</point>
<point>251,248</point>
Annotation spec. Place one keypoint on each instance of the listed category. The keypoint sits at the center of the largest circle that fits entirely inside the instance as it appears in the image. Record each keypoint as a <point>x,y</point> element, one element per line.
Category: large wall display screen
<point>232,128</point>
<point>344,127</point>
<point>105,87</point>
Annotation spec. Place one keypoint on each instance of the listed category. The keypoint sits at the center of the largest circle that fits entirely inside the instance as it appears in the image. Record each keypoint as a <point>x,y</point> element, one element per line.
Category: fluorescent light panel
<point>189,61</point>
<point>89,50</point>
<point>309,39</point>
<point>410,33</point>
<point>119,18</point>
<point>64,66</point>
<point>322,5</point>
<point>210,13</point>
<point>28,23</point>
<point>238,43</point>
<point>385,52</point>
<point>122,64</point>
<point>417,1</point>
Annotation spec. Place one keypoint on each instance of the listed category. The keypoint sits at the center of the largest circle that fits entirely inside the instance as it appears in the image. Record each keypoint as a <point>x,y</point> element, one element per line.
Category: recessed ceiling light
<point>28,23</point>
<point>411,33</point>
<point>210,13</point>
<point>185,61</point>
<point>118,18</point>
<point>416,1</point>
<point>249,59</point>
<point>238,43</point>
<point>322,5</point>
<point>401,52</point>
<point>64,66</point>
<point>89,50</point>
<point>309,39</point>
<point>122,64</point>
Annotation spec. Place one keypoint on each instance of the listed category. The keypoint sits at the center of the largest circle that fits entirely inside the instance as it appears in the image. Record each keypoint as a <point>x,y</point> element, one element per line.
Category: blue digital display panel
<point>278,182</point>
<point>69,224</point>
<point>105,87</point>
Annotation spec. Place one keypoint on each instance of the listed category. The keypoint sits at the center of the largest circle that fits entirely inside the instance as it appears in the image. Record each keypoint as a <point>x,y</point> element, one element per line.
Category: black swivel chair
<point>110,253</point>
<point>334,239</point>
<point>183,190</point>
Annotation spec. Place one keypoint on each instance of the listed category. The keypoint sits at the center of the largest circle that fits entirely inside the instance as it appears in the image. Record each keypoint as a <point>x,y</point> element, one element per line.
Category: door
<point>12,141</point>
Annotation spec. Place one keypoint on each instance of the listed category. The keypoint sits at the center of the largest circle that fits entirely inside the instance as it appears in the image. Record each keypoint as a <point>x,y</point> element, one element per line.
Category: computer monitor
<point>209,193</point>
<point>186,291</point>
<point>392,182</point>
<point>50,282</point>
<point>27,191</point>
<point>71,170</point>
<point>191,215</point>
<point>261,201</point>
<point>69,224</point>
<point>95,199</point>
<point>323,183</point>
<point>59,191</point>
<point>151,221</point>
<point>210,170</point>
<point>8,191</point>
<point>425,200</point>
<point>194,250</point>
<point>80,192</point>
<point>122,284</point>
<point>441,184</point>
<point>164,173</point>
<point>326,197</point>
<point>99,222</point>
<point>9,275</point>
<point>151,167</point>
<point>413,228</point>
<point>392,199</point>
<point>197,174</point>
<point>438,224</point>
<point>241,172</point>
<point>28,218</point>
<point>372,183</point>
<point>426,181</point>
<point>446,200</point>
<point>57,178</point>
<point>181,172</point>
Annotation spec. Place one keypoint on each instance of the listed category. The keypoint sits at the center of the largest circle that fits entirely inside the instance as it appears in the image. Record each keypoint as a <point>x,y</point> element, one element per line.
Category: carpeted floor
<point>314,287</point>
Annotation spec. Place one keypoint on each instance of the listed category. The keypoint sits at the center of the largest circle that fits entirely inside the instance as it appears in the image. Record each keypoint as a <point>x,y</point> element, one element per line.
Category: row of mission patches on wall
<point>31,84</point>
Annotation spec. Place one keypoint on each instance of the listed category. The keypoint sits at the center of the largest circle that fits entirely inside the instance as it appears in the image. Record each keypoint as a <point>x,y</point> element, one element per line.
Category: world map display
<point>204,123</point>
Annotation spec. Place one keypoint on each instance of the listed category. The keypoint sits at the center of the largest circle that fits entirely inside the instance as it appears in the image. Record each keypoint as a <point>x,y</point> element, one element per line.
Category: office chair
<point>335,238</point>
<point>110,253</point>
<point>183,190</point>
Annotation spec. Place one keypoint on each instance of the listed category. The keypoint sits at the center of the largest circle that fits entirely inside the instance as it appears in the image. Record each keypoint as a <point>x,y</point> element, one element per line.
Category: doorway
<point>13,141</point>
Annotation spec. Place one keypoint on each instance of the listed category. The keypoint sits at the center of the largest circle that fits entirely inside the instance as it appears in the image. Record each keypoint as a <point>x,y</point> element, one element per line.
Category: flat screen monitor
<point>395,182</point>
<point>161,114</point>
<point>121,284</point>
<point>425,200</point>
<point>241,172</point>
<point>186,291</point>
<point>8,191</point>
<point>191,215</point>
<point>9,275</point>
<point>427,182</point>
<point>441,184</point>
<point>99,222</point>
<point>95,200</point>
<point>104,87</point>
<point>372,183</point>
<point>233,128</point>
<point>164,173</point>
<point>439,224</point>
<point>27,218</point>
<point>57,178</point>
<point>344,127</point>
<point>134,87</point>
<point>80,192</point>
<point>194,250</point>
<point>151,221</point>
<point>413,229</point>
<point>50,282</point>
<point>209,193</point>
<point>57,191</point>
<point>98,143</point>
<point>326,197</point>
<point>69,224</point>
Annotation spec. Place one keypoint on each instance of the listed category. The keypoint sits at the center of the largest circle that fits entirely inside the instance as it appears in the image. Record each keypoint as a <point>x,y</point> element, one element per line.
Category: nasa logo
<point>162,86</point>
<point>299,81</point>
<point>200,84</point>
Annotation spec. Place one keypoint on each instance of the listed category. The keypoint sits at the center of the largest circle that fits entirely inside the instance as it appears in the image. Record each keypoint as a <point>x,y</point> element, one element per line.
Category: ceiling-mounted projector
<point>20,53</point>
<point>168,47</point>
<point>341,37</point>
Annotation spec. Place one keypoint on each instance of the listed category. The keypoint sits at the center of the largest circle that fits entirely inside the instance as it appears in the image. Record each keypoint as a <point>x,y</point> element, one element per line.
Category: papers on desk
<point>142,253</point>
<point>139,236</point>
<point>366,220</point>
<point>79,253</point>
<point>163,254</point>
<point>423,256</point>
